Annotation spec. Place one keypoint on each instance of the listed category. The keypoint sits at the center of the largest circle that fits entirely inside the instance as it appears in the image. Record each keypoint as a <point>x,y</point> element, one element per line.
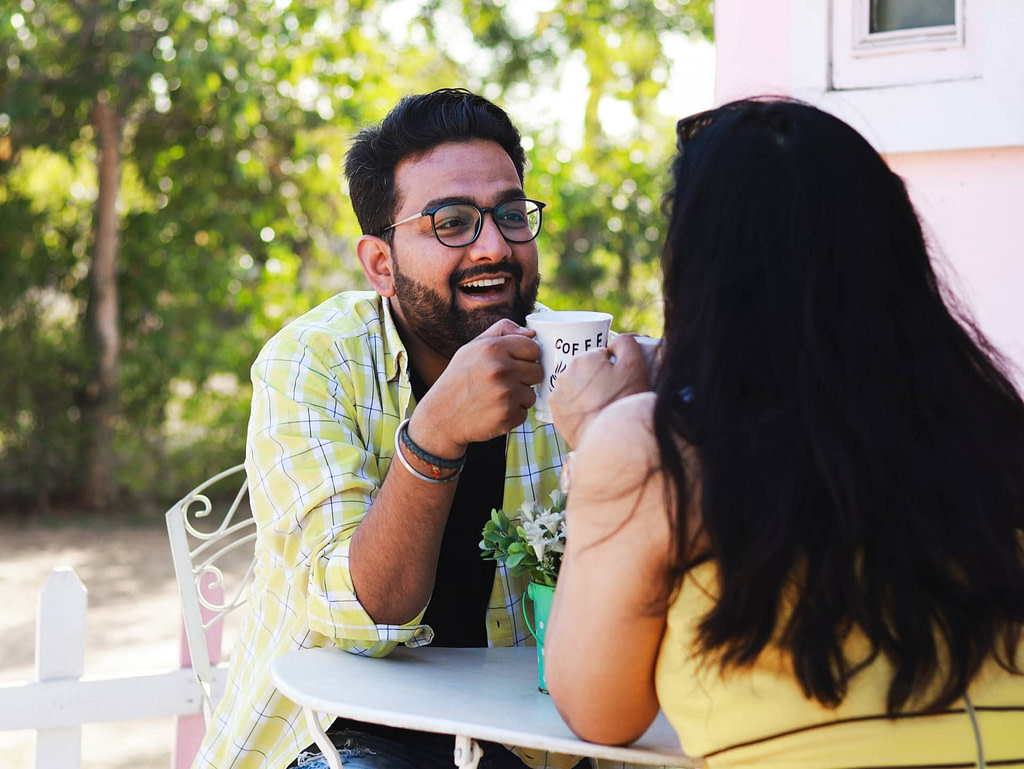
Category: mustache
<point>510,268</point>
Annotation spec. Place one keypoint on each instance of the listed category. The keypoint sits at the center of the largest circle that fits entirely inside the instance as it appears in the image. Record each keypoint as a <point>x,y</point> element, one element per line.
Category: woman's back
<point>850,429</point>
<point>759,716</point>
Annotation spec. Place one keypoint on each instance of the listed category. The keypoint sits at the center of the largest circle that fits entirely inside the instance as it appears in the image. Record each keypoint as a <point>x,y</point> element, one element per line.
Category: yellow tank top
<point>757,718</point>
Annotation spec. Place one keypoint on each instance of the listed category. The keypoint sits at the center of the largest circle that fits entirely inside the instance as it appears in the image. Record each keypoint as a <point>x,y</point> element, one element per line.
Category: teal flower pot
<point>540,596</point>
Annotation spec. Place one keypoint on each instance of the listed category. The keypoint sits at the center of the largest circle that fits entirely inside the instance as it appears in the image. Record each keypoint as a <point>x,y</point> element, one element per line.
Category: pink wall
<point>751,48</point>
<point>971,201</point>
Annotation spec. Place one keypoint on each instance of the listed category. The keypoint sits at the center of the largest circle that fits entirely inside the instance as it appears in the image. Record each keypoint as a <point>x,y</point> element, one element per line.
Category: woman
<point>805,545</point>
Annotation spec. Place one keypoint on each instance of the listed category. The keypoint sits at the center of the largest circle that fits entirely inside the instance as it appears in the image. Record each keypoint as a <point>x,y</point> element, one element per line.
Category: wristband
<point>426,457</point>
<point>402,437</point>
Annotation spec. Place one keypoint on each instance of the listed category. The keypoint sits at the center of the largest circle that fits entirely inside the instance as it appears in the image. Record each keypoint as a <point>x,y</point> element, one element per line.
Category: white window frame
<point>914,90</point>
<point>863,59</point>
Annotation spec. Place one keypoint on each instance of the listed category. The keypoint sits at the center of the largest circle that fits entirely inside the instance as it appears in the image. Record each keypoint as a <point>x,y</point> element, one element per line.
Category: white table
<point>474,694</point>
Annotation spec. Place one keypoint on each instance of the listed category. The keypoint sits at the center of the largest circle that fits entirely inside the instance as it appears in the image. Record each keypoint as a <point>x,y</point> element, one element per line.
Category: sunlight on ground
<point>132,625</point>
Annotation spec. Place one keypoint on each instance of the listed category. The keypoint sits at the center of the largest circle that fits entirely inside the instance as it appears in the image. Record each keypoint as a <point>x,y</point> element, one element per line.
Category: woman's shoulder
<point>618,484</point>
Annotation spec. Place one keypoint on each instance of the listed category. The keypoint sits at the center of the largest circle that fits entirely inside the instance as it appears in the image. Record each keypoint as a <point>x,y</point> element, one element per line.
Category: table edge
<point>504,736</point>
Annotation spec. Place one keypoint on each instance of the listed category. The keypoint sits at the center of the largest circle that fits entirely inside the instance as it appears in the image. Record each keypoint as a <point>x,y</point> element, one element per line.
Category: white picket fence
<point>61,699</point>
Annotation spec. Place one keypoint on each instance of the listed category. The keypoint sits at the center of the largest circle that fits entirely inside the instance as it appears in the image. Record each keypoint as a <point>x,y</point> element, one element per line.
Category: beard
<point>444,326</point>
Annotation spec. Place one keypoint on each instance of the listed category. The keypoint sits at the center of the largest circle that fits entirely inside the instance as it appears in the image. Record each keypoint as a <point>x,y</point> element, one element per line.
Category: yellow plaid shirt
<point>329,390</point>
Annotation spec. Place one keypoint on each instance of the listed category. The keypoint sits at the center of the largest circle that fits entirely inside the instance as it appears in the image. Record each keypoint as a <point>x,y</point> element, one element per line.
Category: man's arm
<point>317,450</point>
<point>484,392</point>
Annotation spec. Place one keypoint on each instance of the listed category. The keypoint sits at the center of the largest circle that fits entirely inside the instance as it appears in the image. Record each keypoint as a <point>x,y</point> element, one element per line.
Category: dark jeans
<point>380,747</point>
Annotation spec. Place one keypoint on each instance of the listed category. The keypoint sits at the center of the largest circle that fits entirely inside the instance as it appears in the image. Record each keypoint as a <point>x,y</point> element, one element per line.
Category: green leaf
<point>515,559</point>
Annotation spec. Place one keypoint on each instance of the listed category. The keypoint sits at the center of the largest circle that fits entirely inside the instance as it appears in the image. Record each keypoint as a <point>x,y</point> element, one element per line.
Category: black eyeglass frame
<point>479,222</point>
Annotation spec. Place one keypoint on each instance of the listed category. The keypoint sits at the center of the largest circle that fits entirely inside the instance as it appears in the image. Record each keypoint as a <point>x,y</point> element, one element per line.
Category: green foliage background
<point>234,219</point>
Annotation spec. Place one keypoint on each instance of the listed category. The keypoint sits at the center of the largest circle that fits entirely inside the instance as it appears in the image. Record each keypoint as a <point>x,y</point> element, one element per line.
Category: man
<point>432,369</point>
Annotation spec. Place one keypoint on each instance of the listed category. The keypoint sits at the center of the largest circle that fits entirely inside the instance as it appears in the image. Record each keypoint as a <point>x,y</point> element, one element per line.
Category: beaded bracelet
<point>436,463</point>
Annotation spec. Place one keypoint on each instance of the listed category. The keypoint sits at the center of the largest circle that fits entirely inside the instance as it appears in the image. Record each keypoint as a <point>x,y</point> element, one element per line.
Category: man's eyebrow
<point>511,193</point>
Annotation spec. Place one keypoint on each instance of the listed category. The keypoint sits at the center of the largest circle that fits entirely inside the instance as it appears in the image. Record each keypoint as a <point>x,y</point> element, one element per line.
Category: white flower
<point>533,540</point>
<point>551,521</point>
<point>536,537</point>
<point>530,510</point>
<point>557,499</point>
<point>544,528</point>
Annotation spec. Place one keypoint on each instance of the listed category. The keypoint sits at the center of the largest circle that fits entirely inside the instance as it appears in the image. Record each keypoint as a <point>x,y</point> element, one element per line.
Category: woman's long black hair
<point>855,436</point>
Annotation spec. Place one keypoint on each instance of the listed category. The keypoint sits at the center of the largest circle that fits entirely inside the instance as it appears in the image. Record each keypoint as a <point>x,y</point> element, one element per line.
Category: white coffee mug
<point>562,335</point>
<point>650,347</point>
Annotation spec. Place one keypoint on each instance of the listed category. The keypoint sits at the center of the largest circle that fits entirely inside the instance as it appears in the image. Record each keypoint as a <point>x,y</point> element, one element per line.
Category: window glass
<point>890,15</point>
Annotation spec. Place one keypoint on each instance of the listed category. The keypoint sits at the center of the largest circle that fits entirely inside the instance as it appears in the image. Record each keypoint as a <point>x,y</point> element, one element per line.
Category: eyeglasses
<point>456,225</point>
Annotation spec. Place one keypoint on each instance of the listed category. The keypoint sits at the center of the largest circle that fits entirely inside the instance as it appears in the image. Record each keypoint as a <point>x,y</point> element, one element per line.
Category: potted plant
<point>531,542</point>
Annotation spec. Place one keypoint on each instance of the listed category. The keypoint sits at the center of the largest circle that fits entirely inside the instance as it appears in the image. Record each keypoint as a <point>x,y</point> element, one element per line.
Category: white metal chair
<point>198,551</point>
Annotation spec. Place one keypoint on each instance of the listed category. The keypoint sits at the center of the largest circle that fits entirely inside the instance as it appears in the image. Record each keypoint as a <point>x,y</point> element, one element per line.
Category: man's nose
<point>490,244</point>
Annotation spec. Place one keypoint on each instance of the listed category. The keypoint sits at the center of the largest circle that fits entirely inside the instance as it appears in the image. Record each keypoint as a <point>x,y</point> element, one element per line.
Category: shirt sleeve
<point>313,476</point>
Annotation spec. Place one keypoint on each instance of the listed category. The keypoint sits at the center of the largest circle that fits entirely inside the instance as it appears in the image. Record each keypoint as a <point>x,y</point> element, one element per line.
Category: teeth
<point>484,283</point>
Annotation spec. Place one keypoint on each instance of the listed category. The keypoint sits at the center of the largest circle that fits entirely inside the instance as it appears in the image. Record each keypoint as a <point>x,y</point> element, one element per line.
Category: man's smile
<point>480,287</point>
<point>488,284</point>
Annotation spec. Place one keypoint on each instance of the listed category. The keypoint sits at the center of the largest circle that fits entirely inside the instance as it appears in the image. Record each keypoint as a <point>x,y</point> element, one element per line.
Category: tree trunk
<point>626,276</point>
<point>99,488</point>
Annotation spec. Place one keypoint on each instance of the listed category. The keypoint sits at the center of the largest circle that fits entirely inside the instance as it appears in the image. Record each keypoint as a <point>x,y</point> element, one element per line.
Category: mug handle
<point>525,617</point>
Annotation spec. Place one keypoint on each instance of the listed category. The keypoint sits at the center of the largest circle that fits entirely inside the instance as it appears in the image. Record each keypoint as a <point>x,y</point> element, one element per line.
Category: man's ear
<point>375,257</point>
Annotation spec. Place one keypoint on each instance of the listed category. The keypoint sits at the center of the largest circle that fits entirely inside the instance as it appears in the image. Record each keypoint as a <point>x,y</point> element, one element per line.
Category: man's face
<point>448,296</point>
